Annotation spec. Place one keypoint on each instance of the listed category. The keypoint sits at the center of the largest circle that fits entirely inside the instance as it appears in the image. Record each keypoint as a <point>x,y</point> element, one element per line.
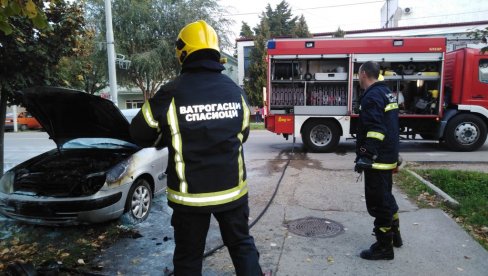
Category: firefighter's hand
<point>362,164</point>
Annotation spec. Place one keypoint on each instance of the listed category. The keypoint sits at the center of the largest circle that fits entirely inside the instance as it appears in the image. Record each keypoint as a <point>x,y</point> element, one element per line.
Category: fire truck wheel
<point>465,132</point>
<point>321,135</point>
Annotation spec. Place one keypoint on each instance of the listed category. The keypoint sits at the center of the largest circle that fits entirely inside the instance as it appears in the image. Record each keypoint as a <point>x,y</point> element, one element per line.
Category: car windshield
<point>98,143</point>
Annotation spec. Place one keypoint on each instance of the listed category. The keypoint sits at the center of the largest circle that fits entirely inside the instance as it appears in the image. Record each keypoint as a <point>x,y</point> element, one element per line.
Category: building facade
<point>405,13</point>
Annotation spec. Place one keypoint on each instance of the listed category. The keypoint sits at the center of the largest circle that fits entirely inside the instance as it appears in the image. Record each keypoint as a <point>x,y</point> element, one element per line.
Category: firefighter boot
<point>382,249</point>
<point>395,228</point>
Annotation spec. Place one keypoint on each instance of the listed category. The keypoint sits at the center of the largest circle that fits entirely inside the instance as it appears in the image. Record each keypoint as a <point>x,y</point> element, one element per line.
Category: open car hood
<point>67,114</point>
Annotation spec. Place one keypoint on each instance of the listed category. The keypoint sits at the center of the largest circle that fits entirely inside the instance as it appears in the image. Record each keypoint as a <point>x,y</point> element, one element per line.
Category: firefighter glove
<point>363,163</point>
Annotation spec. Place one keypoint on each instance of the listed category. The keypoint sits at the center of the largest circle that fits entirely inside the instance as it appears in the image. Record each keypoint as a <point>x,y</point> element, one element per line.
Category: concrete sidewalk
<point>433,243</point>
<point>314,185</point>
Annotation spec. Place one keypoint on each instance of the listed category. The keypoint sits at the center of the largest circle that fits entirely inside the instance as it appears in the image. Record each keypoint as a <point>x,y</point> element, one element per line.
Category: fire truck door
<point>479,89</point>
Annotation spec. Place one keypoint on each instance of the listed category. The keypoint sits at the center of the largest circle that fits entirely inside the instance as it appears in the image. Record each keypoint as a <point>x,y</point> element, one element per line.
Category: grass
<point>257,126</point>
<point>469,188</point>
<point>415,189</point>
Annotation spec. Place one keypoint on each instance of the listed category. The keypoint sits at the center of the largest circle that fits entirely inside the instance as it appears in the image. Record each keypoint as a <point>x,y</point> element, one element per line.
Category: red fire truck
<point>313,89</point>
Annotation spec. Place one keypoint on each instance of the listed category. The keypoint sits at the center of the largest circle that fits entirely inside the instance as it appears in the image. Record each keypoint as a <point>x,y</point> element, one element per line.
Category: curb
<point>449,200</point>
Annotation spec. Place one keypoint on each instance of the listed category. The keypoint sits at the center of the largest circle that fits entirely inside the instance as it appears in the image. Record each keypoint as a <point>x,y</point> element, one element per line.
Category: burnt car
<point>95,174</point>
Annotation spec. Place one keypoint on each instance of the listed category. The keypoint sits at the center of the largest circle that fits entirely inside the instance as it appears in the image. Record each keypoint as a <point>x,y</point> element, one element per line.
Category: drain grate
<point>315,227</point>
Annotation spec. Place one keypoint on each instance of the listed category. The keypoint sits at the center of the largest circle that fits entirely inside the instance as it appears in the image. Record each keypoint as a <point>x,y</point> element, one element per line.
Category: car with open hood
<point>96,173</point>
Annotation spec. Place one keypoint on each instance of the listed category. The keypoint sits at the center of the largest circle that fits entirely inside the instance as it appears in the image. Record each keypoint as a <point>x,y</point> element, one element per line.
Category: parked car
<point>96,173</point>
<point>9,122</point>
<point>25,121</point>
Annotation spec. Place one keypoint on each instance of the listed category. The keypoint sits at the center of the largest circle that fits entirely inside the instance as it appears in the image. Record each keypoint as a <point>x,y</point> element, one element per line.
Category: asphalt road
<point>303,194</point>
<point>262,144</point>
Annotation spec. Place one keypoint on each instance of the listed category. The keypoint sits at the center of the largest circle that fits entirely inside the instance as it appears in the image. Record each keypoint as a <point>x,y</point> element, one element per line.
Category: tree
<point>257,67</point>
<point>273,23</point>
<point>29,56</point>
<point>87,70</point>
<point>480,35</point>
<point>301,28</point>
<point>280,20</point>
<point>14,8</point>
<point>339,33</point>
<point>145,32</point>
<point>246,31</point>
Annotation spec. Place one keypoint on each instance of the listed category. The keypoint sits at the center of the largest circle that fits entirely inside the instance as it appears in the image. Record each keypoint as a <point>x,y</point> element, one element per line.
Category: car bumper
<point>62,212</point>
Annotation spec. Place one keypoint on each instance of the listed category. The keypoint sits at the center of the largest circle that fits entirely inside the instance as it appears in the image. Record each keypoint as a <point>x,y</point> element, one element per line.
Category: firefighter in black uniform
<point>377,156</point>
<point>203,119</point>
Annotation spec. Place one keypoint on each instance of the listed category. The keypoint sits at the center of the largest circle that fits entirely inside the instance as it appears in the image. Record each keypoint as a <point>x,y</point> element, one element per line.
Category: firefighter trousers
<point>380,202</point>
<point>190,232</point>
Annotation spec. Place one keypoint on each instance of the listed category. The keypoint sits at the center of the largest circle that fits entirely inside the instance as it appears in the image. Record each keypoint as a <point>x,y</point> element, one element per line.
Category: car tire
<point>138,203</point>
<point>23,127</point>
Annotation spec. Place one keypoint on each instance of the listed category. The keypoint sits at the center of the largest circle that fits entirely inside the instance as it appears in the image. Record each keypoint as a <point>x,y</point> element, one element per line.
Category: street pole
<point>14,116</point>
<point>111,52</point>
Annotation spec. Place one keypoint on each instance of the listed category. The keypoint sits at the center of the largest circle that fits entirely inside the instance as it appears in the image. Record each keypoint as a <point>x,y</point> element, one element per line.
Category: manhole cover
<point>315,227</point>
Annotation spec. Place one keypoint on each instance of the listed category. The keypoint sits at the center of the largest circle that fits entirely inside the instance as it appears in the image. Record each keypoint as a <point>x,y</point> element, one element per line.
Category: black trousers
<point>380,202</point>
<point>190,232</point>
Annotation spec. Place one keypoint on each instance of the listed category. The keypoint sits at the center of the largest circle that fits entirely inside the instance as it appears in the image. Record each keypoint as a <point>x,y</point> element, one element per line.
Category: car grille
<point>54,210</point>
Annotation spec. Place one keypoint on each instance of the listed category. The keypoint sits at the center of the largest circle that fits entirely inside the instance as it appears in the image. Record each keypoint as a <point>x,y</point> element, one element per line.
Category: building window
<point>247,60</point>
<point>483,70</point>
<point>129,104</point>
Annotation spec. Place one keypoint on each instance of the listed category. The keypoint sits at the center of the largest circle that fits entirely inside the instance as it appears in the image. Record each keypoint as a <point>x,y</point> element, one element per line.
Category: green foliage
<point>280,20</point>
<point>24,8</point>
<point>274,23</point>
<point>87,70</point>
<point>257,66</point>
<point>339,33</point>
<point>469,188</point>
<point>246,31</point>
<point>256,126</point>
<point>29,56</point>
<point>145,32</point>
<point>301,28</point>
<point>411,186</point>
<point>480,35</point>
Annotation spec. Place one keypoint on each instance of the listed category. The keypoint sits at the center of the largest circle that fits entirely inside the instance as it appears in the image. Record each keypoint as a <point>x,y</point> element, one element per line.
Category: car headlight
<point>7,182</point>
<point>117,172</point>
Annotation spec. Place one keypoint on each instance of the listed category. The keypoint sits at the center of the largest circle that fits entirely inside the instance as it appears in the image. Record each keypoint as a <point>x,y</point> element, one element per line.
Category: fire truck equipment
<point>445,93</point>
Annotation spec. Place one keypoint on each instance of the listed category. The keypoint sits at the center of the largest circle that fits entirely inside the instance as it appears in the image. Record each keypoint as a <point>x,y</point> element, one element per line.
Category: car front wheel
<point>139,201</point>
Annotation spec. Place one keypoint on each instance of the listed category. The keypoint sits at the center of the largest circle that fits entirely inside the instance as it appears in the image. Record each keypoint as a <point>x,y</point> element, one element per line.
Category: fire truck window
<point>483,71</point>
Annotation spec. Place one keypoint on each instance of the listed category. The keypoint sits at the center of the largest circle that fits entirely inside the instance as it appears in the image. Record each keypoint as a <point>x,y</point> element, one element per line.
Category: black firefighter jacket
<point>204,120</point>
<point>378,127</point>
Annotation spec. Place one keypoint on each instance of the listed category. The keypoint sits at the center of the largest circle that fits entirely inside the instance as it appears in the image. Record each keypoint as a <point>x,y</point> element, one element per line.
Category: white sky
<point>321,15</point>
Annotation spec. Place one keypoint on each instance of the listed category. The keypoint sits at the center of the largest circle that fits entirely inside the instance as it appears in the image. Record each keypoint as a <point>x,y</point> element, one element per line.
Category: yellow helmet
<point>195,36</point>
